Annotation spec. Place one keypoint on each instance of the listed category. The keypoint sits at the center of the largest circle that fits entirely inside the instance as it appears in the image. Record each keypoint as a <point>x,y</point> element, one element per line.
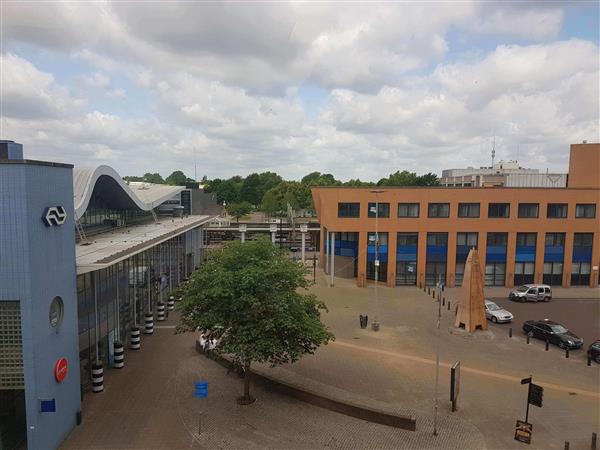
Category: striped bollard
<point>149,323</point>
<point>171,303</point>
<point>160,311</point>
<point>119,355</point>
<point>97,377</point>
<point>135,339</point>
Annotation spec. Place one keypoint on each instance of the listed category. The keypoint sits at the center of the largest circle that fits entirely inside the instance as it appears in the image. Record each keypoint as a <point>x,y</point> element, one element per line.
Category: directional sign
<point>523,432</point>
<point>536,395</point>
<point>526,380</point>
<point>201,389</point>
<point>54,215</point>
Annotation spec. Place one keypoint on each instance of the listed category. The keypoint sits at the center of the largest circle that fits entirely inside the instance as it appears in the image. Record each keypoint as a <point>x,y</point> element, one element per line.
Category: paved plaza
<point>149,403</point>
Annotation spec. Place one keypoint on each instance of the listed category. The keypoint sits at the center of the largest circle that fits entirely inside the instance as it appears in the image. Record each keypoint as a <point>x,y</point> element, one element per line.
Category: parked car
<point>496,314</point>
<point>531,293</point>
<point>553,332</point>
<point>594,351</point>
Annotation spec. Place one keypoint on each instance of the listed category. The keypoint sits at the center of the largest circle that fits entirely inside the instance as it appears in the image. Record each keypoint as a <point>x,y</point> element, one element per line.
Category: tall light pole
<point>375,325</point>
<point>437,356</point>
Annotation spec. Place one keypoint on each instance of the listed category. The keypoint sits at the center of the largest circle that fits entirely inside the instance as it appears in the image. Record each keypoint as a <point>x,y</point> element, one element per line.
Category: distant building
<point>503,173</point>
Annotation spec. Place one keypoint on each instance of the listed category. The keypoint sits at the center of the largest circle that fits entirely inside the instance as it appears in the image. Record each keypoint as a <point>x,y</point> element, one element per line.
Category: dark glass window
<point>497,239</point>
<point>469,239</point>
<point>585,211</point>
<point>557,210</point>
<point>384,209</point>
<point>408,210</point>
<point>499,210</point>
<point>526,239</point>
<point>437,238</point>
<point>468,210</point>
<point>439,210</point>
<point>408,239</point>
<point>348,209</point>
<point>529,210</point>
<point>583,239</point>
<point>555,239</point>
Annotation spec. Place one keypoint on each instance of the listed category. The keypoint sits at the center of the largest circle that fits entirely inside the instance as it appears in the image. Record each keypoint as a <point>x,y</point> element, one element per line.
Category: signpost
<point>200,391</point>
<point>535,395</point>
<point>454,384</point>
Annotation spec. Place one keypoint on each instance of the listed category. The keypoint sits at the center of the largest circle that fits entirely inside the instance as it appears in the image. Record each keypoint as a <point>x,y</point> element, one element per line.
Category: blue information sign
<point>47,405</point>
<point>201,389</point>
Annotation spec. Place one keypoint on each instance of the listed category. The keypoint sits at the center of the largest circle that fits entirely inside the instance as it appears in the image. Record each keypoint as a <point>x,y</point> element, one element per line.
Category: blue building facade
<point>37,285</point>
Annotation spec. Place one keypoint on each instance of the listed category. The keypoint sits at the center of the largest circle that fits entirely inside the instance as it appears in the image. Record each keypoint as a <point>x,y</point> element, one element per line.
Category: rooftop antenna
<point>493,150</point>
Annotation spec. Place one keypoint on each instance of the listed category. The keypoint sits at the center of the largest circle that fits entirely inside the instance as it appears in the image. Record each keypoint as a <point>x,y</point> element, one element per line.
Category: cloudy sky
<point>354,89</point>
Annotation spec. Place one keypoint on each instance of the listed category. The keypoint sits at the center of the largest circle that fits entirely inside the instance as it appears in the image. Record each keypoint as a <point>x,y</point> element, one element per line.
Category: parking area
<point>579,315</point>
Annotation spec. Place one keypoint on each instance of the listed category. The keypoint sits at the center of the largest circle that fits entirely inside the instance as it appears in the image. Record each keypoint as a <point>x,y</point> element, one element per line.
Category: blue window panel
<point>437,253</point>
<point>406,253</point>
<point>525,253</point>
<point>582,254</point>
<point>383,253</point>
<point>554,254</point>
<point>346,248</point>
<point>495,253</point>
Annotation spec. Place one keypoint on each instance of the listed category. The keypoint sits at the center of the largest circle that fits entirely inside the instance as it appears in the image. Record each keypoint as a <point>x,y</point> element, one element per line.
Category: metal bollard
<point>510,332</point>
<point>589,360</point>
<point>567,445</point>
<point>594,439</point>
<point>443,301</point>
<point>433,294</point>
<point>567,352</point>
<point>456,310</point>
<point>448,305</point>
<point>528,336</point>
<point>428,291</point>
<point>547,344</point>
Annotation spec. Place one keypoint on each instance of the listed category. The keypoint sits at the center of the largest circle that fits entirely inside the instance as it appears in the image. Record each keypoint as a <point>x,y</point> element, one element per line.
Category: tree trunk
<point>247,379</point>
<point>246,399</point>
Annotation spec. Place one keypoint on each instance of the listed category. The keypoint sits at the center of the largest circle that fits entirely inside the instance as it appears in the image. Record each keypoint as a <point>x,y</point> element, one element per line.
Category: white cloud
<point>29,93</point>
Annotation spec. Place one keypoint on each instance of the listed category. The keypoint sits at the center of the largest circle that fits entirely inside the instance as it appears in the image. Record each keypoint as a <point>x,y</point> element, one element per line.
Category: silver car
<point>531,293</point>
<point>496,314</point>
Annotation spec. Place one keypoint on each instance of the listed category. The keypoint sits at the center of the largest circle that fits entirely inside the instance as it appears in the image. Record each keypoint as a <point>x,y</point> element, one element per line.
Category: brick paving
<point>149,403</point>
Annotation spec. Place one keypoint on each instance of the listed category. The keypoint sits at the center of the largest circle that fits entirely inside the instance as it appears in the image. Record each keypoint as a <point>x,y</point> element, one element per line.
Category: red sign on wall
<point>60,370</point>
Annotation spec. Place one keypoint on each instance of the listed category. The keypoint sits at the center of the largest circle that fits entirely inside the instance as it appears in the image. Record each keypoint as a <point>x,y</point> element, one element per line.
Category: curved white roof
<point>144,196</point>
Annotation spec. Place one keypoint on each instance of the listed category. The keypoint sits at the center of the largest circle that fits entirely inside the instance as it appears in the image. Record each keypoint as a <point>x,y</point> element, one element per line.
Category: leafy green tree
<point>253,299</point>
<point>177,178</point>
<point>238,210</point>
<point>129,178</point>
<point>153,178</point>
<point>429,179</point>
<point>250,191</point>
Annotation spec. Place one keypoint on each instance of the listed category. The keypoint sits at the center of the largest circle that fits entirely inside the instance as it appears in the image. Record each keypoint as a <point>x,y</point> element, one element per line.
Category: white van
<point>531,293</point>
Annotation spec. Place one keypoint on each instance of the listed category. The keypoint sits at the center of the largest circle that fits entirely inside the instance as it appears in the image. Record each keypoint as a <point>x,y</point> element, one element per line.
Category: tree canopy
<point>177,178</point>
<point>239,210</point>
<point>253,299</point>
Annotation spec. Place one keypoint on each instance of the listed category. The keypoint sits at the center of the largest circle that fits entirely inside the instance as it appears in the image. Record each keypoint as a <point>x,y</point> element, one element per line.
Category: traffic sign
<point>201,389</point>
<point>60,370</point>
<point>536,395</point>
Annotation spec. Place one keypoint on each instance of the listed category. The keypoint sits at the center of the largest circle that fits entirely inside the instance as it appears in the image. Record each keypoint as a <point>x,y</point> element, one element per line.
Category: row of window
<point>471,239</point>
<point>495,210</point>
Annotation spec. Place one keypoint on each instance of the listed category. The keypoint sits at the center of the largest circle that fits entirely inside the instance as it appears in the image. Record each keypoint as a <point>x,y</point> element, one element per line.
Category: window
<point>469,239</point>
<point>583,239</point>
<point>439,210</point>
<point>408,210</point>
<point>497,239</point>
<point>499,210</point>
<point>555,239</point>
<point>557,211</point>
<point>529,210</point>
<point>468,210</point>
<point>384,209</point>
<point>383,238</point>
<point>437,239</point>
<point>348,209</point>
<point>526,239</point>
<point>585,211</point>
<point>405,239</point>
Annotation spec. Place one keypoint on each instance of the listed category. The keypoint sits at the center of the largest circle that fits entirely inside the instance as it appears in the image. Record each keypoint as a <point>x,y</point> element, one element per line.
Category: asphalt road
<point>581,316</point>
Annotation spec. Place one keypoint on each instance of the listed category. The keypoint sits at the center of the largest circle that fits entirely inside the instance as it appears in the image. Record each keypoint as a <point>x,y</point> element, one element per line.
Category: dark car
<point>553,332</point>
<point>594,351</point>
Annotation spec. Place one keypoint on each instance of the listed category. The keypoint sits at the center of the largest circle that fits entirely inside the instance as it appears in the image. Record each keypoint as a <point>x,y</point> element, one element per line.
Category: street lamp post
<point>375,325</point>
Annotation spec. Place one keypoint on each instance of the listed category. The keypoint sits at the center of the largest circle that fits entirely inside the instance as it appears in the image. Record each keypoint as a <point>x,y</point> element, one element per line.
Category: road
<point>578,315</point>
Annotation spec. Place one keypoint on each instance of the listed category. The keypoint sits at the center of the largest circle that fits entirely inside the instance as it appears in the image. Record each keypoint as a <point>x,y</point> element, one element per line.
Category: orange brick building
<point>421,235</point>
